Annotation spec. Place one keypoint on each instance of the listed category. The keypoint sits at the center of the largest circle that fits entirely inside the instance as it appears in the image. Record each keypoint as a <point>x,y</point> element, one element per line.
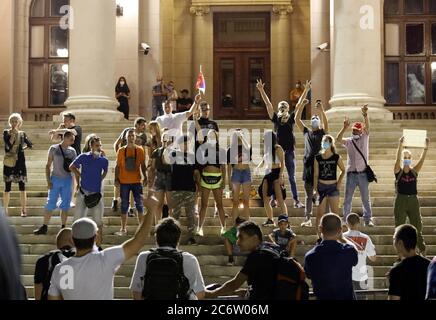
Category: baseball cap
<point>283,218</point>
<point>357,126</point>
<point>84,228</point>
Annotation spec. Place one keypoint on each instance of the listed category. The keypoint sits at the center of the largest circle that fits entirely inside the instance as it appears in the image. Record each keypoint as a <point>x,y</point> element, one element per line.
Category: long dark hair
<point>270,136</point>
<point>118,87</point>
<point>332,143</point>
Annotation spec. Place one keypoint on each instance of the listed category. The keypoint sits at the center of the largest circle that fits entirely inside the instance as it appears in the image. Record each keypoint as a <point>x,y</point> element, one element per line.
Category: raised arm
<point>132,246</point>
<point>340,135</point>
<point>324,120</point>
<point>303,96</point>
<point>365,117</point>
<point>300,107</point>
<point>397,166</point>
<point>418,167</point>
<point>194,106</point>
<point>269,107</point>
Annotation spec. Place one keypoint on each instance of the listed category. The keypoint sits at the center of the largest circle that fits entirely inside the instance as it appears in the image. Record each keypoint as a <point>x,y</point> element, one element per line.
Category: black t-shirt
<point>406,183</point>
<point>285,131</point>
<point>312,144</point>
<point>183,104</point>
<point>77,140</point>
<point>182,177</point>
<point>327,167</point>
<point>205,125</point>
<point>408,279</point>
<point>158,156</point>
<point>260,271</point>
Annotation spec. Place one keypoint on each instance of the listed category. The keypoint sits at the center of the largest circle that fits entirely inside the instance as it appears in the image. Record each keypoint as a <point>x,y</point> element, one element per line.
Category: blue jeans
<point>357,180</point>
<point>157,111</point>
<point>137,197</point>
<point>291,164</point>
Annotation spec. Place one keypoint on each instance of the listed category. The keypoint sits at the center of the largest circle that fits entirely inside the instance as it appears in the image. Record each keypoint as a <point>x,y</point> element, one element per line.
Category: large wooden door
<point>239,63</point>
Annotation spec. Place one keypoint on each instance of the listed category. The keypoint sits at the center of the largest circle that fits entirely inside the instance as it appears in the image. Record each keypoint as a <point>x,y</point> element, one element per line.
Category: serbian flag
<point>201,82</point>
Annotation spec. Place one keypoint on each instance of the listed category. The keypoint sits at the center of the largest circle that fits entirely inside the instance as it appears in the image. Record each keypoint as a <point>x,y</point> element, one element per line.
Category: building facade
<point>68,54</point>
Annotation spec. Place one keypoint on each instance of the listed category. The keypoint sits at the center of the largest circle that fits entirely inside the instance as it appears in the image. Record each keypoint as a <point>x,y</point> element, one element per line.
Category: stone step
<point>382,201</point>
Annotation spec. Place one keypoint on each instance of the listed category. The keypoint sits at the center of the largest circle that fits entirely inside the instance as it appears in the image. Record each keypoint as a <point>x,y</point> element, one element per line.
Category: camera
<point>323,46</point>
<point>145,48</point>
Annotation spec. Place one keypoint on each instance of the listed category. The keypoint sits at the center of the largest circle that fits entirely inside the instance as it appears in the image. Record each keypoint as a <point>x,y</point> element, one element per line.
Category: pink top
<point>355,161</point>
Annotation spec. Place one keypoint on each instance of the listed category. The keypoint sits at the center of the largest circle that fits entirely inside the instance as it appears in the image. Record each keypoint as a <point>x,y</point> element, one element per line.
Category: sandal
<point>23,214</point>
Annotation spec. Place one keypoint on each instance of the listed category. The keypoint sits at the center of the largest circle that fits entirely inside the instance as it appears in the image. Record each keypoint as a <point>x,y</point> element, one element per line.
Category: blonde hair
<point>157,138</point>
<point>88,140</point>
<point>407,151</point>
<point>332,142</point>
<point>16,116</point>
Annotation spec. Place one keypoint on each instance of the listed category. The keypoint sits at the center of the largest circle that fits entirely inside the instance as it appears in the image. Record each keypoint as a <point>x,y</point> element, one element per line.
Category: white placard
<point>414,138</point>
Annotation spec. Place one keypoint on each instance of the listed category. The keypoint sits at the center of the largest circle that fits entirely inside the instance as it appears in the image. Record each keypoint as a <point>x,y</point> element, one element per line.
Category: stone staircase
<point>210,250</point>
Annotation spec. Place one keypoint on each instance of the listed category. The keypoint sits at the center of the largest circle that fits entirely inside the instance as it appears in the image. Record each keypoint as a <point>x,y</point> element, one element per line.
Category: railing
<point>40,114</point>
<point>413,113</point>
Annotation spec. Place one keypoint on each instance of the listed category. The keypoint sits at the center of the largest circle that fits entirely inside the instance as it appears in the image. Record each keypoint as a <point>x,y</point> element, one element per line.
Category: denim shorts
<point>63,188</point>
<point>327,190</point>
<point>241,176</point>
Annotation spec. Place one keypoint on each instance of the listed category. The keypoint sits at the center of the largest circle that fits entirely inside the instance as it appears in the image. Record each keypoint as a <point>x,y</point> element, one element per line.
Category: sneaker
<point>231,261</point>
<point>268,223</point>
<point>114,205</point>
<point>41,230</point>
<point>121,233</point>
<point>307,223</point>
<point>369,223</point>
<point>72,204</point>
<point>192,242</point>
<point>298,205</point>
<point>273,203</point>
<point>200,232</point>
<point>131,213</point>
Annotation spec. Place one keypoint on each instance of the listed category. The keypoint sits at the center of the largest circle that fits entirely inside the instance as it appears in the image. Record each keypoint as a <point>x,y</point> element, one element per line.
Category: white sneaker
<point>307,223</point>
<point>72,204</point>
<point>121,233</point>
<point>200,232</point>
<point>223,230</point>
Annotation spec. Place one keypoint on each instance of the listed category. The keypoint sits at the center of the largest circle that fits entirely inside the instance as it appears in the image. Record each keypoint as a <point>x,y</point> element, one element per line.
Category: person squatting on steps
<point>14,162</point>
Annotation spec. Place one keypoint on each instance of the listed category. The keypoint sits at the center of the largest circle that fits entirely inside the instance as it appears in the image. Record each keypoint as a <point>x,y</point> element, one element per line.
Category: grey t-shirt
<point>90,277</point>
<point>191,269</point>
<point>58,160</point>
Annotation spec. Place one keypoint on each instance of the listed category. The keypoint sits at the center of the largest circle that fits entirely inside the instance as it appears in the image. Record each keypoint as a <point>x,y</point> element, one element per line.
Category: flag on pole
<point>201,82</point>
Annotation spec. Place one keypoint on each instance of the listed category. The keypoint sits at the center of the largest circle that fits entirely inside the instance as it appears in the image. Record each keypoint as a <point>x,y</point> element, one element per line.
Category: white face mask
<point>315,123</point>
<point>97,153</point>
<point>356,136</point>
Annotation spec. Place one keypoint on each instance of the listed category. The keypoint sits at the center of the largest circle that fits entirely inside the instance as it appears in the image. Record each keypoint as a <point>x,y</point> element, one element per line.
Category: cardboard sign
<point>414,138</point>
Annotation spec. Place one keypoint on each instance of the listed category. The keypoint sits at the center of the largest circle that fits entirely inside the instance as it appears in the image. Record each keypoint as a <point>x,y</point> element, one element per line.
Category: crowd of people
<point>180,171</point>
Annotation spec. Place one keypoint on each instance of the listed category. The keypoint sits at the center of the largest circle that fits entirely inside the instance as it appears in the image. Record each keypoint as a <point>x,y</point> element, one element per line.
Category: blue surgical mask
<point>407,162</point>
<point>325,145</point>
<point>356,136</point>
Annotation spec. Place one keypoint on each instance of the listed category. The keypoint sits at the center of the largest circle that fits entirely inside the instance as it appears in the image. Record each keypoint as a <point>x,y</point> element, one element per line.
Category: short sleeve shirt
<point>58,170</point>
<point>282,239</point>
<point>157,101</point>
<point>312,144</point>
<point>91,171</point>
<point>191,269</point>
<point>355,161</point>
<point>365,248</point>
<point>90,277</point>
<point>285,131</point>
<point>130,177</point>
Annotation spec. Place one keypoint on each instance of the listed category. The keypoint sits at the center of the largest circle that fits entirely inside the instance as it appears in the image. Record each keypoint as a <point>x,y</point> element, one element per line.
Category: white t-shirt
<point>174,122</point>
<point>365,248</point>
<point>90,277</point>
<point>191,269</point>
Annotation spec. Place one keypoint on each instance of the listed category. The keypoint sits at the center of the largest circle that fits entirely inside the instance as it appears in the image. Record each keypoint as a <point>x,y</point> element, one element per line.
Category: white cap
<point>84,228</point>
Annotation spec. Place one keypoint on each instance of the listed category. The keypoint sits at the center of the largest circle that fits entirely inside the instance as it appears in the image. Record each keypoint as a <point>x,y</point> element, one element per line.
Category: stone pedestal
<point>356,59</point>
<point>92,61</point>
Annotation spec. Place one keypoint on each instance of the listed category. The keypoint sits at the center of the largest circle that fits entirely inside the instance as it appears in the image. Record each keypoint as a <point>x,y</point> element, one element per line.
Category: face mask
<point>407,162</point>
<point>326,145</point>
<point>356,136</point>
<point>122,83</point>
<point>97,153</point>
<point>315,123</point>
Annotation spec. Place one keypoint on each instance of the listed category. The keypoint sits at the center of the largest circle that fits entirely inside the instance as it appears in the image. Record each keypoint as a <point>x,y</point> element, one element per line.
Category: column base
<point>99,108</point>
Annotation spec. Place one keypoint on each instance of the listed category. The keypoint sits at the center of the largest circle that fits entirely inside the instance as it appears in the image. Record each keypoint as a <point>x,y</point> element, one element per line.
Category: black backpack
<point>290,279</point>
<point>164,278</point>
<point>53,260</point>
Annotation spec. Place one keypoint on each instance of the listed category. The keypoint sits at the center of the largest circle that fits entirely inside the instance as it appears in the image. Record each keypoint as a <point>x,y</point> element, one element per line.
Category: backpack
<point>290,280</point>
<point>54,258</point>
<point>164,278</point>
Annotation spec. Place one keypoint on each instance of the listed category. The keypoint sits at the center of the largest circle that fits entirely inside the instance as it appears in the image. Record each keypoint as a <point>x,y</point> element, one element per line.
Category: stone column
<point>356,58</point>
<point>92,61</point>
